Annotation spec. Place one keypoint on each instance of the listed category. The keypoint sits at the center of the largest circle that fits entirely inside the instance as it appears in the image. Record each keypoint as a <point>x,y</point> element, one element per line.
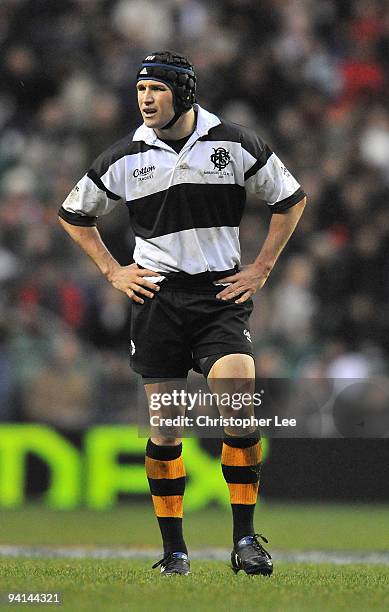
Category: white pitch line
<point>217,554</point>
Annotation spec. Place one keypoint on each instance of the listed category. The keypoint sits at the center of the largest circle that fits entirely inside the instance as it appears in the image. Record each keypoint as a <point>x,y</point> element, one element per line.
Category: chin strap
<point>172,121</point>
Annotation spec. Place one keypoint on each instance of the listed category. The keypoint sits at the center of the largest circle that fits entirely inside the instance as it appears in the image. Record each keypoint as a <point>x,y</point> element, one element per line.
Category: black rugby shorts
<point>182,324</point>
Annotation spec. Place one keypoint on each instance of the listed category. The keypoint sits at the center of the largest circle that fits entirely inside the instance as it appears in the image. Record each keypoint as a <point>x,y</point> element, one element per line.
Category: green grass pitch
<point>120,584</point>
<point>131,585</point>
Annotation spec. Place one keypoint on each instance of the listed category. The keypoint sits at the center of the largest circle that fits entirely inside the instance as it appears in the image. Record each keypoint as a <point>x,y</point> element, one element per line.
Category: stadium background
<point>313,78</point>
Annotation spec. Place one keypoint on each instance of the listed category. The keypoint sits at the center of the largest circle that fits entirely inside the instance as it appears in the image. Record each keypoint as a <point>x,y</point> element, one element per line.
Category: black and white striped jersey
<point>185,208</point>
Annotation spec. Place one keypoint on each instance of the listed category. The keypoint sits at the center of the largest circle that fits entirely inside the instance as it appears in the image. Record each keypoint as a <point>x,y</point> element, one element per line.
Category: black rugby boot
<point>250,556</point>
<point>174,563</point>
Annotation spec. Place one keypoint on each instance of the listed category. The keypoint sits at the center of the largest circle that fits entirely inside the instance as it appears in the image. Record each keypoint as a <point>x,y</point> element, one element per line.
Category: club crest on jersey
<point>220,158</point>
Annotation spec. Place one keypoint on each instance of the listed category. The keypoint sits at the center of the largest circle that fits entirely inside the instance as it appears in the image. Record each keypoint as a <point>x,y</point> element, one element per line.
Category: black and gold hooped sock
<point>166,475</point>
<point>241,462</point>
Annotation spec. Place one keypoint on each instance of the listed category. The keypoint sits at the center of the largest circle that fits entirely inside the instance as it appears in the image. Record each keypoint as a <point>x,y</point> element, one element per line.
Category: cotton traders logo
<point>143,173</point>
<point>220,158</point>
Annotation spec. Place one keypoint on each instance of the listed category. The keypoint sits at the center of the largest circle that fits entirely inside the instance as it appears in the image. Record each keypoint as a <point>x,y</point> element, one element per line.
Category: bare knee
<point>235,365</point>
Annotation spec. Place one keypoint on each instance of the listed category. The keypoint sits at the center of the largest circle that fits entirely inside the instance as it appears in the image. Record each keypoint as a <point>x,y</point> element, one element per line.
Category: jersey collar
<point>205,121</point>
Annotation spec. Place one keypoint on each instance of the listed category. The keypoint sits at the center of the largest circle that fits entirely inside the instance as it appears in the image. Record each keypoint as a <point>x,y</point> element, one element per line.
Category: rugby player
<point>183,175</point>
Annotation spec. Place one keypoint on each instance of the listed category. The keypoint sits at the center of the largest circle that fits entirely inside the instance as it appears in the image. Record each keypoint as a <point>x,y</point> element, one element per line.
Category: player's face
<point>155,101</point>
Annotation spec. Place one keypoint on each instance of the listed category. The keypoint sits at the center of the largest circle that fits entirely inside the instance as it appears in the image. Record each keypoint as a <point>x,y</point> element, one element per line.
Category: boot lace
<point>258,546</point>
<point>164,561</point>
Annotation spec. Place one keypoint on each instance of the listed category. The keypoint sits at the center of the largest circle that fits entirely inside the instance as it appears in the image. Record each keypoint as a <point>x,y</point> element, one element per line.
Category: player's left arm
<point>246,282</point>
<point>266,176</point>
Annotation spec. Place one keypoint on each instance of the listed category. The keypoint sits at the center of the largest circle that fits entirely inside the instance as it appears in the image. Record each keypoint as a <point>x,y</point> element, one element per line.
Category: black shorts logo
<point>220,158</point>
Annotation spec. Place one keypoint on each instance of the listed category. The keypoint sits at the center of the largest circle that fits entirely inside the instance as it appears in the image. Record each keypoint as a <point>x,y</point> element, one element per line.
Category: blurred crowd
<point>310,76</point>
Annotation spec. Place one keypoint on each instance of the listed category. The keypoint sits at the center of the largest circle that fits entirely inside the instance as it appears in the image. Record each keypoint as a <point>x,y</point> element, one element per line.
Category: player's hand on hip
<point>243,284</point>
<point>130,280</point>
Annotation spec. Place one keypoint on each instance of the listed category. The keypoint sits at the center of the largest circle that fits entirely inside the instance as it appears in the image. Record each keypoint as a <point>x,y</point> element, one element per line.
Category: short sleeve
<point>85,203</point>
<point>98,191</point>
<point>266,176</point>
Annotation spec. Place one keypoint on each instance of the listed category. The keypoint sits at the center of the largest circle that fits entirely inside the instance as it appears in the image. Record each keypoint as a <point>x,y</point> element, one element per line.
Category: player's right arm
<point>129,279</point>
<point>97,193</point>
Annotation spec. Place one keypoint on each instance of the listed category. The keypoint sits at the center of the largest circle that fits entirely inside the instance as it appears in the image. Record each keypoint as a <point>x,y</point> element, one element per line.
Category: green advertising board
<point>94,476</point>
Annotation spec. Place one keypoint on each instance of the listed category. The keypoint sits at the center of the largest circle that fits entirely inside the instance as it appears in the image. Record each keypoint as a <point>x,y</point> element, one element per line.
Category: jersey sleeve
<point>96,193</point>
<point>266,176</point>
